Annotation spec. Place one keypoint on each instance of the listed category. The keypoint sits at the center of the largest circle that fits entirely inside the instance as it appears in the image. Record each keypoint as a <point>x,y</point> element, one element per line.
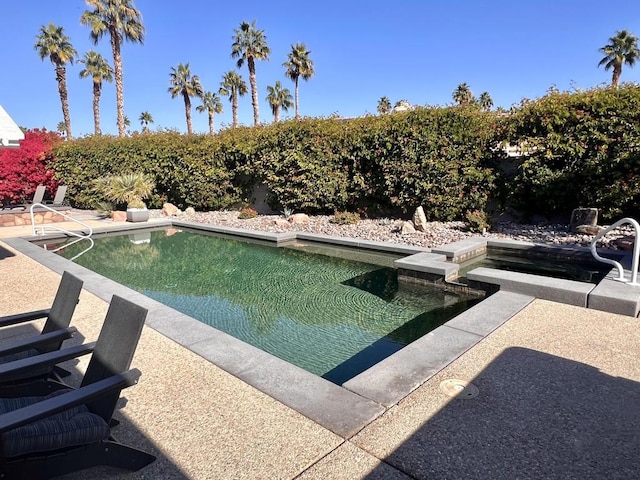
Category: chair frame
<point>54,332</point>
<point>106,375</point>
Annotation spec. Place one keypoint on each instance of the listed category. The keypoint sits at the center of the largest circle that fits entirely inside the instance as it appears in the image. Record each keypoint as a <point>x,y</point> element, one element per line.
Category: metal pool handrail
<point>80,236</point>
<point>44,226</point>
<point>636,250</point>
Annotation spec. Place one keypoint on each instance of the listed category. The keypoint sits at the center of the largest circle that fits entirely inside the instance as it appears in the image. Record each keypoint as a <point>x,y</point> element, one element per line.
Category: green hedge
<point>188,171</point>
<point>372,164</point>
<point>582,150</point>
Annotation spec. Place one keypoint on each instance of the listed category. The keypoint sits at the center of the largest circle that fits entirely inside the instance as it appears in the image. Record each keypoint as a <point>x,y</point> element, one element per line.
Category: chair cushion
<point>76,426</point>
<point>32,352</point>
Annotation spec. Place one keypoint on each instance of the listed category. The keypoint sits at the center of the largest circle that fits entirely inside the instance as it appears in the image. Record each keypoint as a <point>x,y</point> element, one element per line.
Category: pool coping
<point>344,410</point>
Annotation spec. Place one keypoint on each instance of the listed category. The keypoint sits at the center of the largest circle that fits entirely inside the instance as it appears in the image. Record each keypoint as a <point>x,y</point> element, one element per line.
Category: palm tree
<point>53,43</point>
<point>98,69</point>
<point>233,86</point>
<point>212,105</point>
<point>298,65</point>
<point>62,128</point>
<point>278,98</point>
<point>187,85</point>
<point>485,101</point>
<point>145,120</point>
<point>623,48</point>
<point>121,20</point>
<point>384,106</point>
<point>462,95</point>
<point>250,44</point>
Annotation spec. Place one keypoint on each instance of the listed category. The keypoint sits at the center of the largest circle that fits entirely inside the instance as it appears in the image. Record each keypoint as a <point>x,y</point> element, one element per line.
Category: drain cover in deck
<point>459,388</point>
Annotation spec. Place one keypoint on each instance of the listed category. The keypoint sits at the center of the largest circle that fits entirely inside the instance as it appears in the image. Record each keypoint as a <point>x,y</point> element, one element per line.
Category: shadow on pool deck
<point>536,416</point>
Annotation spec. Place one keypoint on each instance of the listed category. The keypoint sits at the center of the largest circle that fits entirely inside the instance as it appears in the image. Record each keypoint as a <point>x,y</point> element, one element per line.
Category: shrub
<point>23,169</point>
<point>583,149</point>
<point>246,213</point>
<point>345,218</point>
<point>477,221</point>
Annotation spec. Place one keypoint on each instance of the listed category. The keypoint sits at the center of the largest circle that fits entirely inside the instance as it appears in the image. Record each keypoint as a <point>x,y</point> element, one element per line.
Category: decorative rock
<point>299,218</point>
<point>190,211</point>
<point>583,216</point>
<point>588,229</point>
<point>118,216</point>
<point>420,219</point>
<point>170,210</point>
<point>407,227</point>
<point>624,243</point>
<point>281,222</point>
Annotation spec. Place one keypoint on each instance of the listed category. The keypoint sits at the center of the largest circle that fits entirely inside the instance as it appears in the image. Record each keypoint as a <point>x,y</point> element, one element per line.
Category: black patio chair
<point>68,430</point>
<point>56,330</point>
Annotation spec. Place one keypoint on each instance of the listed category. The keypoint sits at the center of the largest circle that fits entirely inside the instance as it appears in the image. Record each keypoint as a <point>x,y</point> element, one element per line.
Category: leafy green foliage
<point>345,218</point>
<point>583,149</point>
<point>247,212</point>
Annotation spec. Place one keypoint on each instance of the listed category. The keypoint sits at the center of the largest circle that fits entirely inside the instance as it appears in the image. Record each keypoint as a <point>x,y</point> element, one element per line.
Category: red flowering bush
<point>23,169</point>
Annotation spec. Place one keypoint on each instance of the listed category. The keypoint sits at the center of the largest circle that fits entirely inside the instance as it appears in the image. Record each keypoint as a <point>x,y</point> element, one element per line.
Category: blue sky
<point>418,50</point>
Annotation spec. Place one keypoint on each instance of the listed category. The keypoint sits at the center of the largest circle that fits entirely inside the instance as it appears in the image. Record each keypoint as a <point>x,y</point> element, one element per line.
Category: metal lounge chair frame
<point>58,199</point>
<point>106,375</point>
<point>38,197</point>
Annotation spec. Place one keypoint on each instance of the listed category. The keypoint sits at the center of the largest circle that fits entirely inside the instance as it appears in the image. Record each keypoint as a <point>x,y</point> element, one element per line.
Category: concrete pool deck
<point>559,397</point>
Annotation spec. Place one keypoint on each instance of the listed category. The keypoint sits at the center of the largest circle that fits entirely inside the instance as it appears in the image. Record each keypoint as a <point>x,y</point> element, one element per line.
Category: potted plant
<point>132,189</point>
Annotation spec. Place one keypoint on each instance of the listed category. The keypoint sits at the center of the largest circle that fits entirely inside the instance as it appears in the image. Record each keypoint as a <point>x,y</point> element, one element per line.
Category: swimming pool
<point>333,315</point>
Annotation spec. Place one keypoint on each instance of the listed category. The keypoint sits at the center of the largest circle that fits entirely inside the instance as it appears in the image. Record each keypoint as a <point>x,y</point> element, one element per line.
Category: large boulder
<point>420,219</point>
<point>299,218</point>
<point>170,210</point>
<point>583,216</point>
<point>407,227</point>
<point>118,216</point>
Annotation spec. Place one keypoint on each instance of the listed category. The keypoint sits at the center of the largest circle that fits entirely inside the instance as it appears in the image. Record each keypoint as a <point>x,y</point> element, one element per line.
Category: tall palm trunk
<point>187,112</point>
<point>297,116</point>
<point>617,71</point>
<point>211,124</point>
<point>117,70</point>
<point>254,90</point>
<point>97,87</point>
<point>234,108</point>
<point>276,115</point>
<point>61,78</point>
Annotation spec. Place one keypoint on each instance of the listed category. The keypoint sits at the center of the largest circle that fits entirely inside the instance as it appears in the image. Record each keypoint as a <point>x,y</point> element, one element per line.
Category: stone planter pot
<point>137,214</point>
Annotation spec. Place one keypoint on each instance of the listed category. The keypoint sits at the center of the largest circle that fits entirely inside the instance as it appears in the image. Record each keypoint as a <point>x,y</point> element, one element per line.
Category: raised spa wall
<point>442,265</point>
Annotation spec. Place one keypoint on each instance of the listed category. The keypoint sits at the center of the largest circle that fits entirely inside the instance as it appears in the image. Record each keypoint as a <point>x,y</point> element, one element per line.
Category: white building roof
<point>10,133</point>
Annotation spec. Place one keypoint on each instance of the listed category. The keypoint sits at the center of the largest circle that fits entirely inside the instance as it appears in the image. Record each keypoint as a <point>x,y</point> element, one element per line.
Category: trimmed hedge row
<point>582,149</point>
<point>373,164</point>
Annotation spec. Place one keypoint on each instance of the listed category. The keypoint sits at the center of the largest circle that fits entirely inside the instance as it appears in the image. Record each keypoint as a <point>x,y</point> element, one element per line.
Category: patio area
<point>558,397</point>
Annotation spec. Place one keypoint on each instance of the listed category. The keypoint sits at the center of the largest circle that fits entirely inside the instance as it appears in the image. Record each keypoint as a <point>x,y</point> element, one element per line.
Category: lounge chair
<point>58,199</point>
<point>38,196</point>
<point>56,330</point>
<point>68,430</point>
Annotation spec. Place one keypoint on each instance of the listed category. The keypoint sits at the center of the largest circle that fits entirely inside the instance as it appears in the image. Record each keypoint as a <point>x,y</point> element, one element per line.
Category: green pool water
<point>332,316</point>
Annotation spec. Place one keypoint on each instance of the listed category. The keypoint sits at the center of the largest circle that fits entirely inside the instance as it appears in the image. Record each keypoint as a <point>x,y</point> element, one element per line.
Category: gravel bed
<point>389,230</point>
